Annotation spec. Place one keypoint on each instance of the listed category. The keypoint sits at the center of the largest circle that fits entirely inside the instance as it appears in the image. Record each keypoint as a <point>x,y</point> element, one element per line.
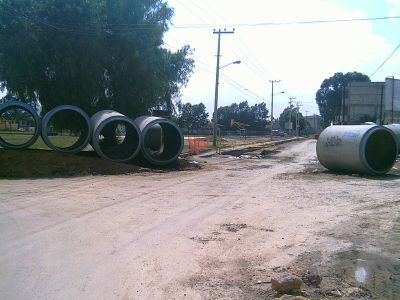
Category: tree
<point>96,54</point>
<point>255,116</point>
<point>192,116</point>
<point>329,95</point>
<point>290,112</point>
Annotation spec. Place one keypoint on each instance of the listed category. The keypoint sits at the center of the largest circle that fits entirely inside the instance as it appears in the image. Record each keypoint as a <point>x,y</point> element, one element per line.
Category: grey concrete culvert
<point>75,120</point>
<point>21,125</point>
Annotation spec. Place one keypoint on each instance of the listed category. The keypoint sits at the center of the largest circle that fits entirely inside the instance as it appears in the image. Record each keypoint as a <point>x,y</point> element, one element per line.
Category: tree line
<point>107,54</point>
<point>97,54</point>
<point>253,117</point>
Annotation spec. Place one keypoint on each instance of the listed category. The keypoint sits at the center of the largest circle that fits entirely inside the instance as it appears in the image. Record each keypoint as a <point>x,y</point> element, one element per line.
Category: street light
<point>272,103</point>
<point>216,98</point>
<point>231,63</point>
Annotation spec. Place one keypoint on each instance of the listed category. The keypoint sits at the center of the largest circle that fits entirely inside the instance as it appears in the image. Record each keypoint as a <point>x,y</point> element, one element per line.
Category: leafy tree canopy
<point>290,113</point>
<point>96,54</point>
<point>192,116</point>
<point>255,116</point>
<point>329,95</point>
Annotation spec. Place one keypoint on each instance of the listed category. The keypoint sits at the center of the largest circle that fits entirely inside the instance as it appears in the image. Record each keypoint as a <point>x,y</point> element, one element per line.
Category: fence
<point>198,144</point>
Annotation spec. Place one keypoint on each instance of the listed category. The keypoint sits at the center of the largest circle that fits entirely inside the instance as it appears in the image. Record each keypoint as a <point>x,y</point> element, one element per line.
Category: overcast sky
<point>300,55</point>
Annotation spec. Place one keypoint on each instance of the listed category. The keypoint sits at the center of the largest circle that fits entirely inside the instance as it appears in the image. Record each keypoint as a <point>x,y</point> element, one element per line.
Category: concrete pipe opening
<point>162,139</point>
<point>369,149</point>
<point>395,128</point>
<point>115,136</point>
<point>66,129</point>
<point>380,151</point>
<point>19,125</point>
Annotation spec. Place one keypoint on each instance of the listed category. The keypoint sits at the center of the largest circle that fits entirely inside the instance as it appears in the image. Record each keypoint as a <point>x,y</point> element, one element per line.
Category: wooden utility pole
<point>290,113</point>
<point>215,119</point>
<point>298,104</point>
<point>272,104</point>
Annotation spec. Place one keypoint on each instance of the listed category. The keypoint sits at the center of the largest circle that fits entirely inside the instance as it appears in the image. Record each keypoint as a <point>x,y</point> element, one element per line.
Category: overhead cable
<point>385,61</point>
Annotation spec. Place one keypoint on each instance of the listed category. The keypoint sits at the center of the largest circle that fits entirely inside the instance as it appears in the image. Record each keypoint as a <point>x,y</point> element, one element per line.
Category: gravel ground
<point>219,231</point>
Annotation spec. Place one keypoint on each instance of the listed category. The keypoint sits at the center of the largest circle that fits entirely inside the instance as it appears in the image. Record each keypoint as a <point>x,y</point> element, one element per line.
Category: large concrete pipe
<point>76,120</point>
<point>369,149</point>
<point>396,130</point>
<point>162,139</point>
<point>17,121</point>
<point>115,136</point>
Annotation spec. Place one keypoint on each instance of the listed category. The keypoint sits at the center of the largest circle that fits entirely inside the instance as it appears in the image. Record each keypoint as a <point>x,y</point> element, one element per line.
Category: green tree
<point>255,116</point>
<point>192,116</point>
<point>329,95</point>
<point>96,54</point>
<point>290,112</point>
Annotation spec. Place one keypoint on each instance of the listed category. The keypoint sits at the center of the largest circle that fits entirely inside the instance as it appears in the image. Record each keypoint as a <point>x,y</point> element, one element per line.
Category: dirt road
<point>220,232</point>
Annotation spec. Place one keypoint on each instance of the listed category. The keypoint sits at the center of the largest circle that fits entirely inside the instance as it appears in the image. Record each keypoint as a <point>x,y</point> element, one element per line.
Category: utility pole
<point>342,106</point>
<point>298,104</point>
<point>272,104</point>
<point>306,123</point>
<point>392,99</point>
<point>290,113</point>
<point>215,121</point>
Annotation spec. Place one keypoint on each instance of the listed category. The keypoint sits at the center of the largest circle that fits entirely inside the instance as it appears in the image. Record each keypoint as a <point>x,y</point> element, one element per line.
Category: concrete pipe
<point>395,128</point>
<point>21,124</point>
<point>162,139</point>
<point>81,122</point>
<point>369,149</point>
<point>115,136</point>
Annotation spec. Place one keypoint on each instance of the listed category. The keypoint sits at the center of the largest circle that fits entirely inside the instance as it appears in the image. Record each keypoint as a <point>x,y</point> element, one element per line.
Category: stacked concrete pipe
<point>85,131</point>
<point>368,149</point>
<point>131,144</point>
<point>162,139</point>
<point>395,128</point>
<point>26,107</point>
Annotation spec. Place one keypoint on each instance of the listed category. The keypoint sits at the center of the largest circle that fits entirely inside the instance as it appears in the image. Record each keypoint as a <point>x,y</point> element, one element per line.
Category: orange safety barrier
<point>198,145</point>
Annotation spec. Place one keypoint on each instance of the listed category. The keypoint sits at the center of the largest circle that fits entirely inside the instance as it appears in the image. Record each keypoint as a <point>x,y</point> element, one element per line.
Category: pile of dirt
<point>42,163</point>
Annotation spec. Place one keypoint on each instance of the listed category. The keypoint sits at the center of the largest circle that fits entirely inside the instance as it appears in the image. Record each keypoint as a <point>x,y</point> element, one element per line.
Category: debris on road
<point>286,284</point>
<point>312,279</point>
<point>231,227</point>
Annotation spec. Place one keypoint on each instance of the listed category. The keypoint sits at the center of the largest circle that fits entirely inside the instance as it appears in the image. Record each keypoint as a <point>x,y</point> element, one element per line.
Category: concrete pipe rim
<point>99,128</point>
<point>152,158</point>
<point>36,118</point>
<point>81,143</point>
<point>375,137</point>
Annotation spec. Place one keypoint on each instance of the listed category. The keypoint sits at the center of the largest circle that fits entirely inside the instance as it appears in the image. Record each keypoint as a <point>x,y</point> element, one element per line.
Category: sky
<point>301,56</point>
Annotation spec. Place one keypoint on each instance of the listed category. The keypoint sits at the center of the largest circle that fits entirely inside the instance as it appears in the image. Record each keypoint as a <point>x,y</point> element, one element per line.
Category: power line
<point>305,22</point>
<point>384,62</point>
<point>144,26</point>
<point>73,28</point>
<point>232,83</point>
<point>191,12</point>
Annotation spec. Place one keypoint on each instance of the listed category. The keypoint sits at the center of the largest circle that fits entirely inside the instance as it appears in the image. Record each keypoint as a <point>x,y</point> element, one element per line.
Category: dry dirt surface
<point>32,163</point>
<point>221,231</point>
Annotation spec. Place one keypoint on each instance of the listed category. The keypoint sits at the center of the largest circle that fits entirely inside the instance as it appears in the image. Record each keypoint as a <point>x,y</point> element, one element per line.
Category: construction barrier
<point>198,145</point>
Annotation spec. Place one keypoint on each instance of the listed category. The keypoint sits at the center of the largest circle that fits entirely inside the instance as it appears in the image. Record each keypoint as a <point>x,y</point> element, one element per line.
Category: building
<point>371,102</point>
<point>315,122</point>
<point>7,125</point>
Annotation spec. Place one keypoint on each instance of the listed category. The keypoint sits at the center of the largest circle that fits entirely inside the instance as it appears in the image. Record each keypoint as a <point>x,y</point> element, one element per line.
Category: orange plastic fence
<point>198,145</point>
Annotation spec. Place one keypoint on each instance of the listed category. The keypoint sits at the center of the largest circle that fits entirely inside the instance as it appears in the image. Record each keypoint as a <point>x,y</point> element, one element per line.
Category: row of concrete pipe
<point>362,149</point>
<point>159,140</point>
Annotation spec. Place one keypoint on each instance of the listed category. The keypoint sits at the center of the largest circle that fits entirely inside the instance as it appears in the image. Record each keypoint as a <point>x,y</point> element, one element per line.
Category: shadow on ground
<point>50,164</point>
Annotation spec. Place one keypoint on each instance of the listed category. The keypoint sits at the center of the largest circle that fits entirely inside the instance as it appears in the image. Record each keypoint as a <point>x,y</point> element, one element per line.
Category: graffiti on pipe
<point>333,141</point>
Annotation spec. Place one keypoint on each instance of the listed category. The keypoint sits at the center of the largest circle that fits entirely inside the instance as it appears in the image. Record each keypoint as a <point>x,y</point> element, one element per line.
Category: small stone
<point>312,279</point>
<point>354,292</point>
<point>286,284</point>
<point>290,297</point>
<point>335,293</point>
